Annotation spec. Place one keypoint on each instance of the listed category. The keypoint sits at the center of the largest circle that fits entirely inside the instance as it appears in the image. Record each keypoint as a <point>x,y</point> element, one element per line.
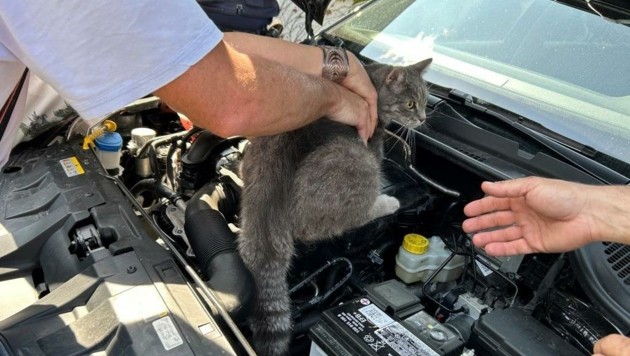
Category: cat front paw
<point>384,205</point>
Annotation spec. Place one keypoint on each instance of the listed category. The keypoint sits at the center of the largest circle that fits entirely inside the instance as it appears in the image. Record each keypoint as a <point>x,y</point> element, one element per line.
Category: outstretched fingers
<point>517,247</point>
<point>486,205</point>
<point>506,234</point>
<point>489,220</point>
<point>513,188</point>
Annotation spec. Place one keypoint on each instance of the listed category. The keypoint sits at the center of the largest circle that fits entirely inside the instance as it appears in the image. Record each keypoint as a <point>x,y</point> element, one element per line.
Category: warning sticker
<point>374,332</point>
<point>403,341</point>
<point>484,270</point>
<point>71,166</point>
<point>482,267</point>
<point>167,333</point>
<point>376,316</point>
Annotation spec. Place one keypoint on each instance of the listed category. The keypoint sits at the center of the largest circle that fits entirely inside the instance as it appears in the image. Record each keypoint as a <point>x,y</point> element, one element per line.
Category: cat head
<point>402,93</point>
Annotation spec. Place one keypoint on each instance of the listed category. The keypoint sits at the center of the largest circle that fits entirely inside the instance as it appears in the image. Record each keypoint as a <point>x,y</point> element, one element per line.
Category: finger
<point>369,120</point>
<point>490,220</point>
<point>362,85</point>
<point>372,102</point>
<point>363,133</point>
<point>513,188</point>
<point>369,128</point>
<point>613,344</point>
<point>507,234</point>
<point>517,247</point>
<point>486,205</point>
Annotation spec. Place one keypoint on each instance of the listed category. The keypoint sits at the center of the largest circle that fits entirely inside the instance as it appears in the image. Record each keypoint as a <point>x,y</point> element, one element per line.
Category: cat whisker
<point>394,136</point>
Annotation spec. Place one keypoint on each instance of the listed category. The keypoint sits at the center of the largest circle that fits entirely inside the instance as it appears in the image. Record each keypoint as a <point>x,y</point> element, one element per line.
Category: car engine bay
<point>137,254</point>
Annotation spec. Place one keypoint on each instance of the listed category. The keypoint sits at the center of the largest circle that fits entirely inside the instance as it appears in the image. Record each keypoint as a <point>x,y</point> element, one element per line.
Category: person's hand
<point>612,345</point>
<point>352,110</point>
<point>359,82</point>
<point>530,215</point>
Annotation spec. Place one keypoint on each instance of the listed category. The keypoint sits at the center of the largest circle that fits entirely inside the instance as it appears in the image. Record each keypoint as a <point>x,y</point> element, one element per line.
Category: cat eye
<point>411,105</point>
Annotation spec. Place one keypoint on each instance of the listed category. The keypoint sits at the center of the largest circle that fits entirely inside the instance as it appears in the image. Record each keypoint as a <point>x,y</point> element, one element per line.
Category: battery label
<point>376,316</point>
<point>378,332</point>
<point>403,341</point>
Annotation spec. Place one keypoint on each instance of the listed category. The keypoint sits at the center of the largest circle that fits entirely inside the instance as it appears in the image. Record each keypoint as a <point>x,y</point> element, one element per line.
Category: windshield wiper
<point>579,155</point>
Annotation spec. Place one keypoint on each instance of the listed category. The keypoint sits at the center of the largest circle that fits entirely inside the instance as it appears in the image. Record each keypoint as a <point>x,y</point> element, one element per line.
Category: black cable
<point>490,267</point>
<point>186,138</point>
<point>431,277</point>
<point>321,298</point>
<point>169,166</point>
<point>452,205</point>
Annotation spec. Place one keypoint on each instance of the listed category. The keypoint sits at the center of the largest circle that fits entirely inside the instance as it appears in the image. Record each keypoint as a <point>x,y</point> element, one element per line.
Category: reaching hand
<point>530,215</point>
<point>612,345</point>
<point>359,82</point>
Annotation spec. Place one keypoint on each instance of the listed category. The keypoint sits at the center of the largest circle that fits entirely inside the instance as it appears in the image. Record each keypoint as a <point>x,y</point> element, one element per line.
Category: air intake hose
<point>214,244</point>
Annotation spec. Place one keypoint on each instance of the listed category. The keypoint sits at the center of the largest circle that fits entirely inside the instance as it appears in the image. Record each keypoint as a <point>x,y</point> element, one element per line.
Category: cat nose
<point>423,115</point>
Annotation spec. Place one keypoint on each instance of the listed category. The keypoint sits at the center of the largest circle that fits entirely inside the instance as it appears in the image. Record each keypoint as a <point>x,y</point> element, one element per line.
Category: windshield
<point>565,68</point>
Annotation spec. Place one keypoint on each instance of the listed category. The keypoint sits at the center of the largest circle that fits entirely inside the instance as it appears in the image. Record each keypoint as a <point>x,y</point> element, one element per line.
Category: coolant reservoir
<point>108,149</point>
<point>419,257</point>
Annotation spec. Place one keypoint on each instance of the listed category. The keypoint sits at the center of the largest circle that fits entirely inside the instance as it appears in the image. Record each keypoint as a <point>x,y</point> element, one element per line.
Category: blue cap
<point>109,141</point>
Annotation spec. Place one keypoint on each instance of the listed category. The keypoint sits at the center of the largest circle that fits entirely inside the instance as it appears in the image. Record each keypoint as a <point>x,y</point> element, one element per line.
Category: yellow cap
<point>415,243</point>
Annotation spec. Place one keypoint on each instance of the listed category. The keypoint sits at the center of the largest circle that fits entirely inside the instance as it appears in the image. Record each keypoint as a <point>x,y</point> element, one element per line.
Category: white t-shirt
<point>97,55</point>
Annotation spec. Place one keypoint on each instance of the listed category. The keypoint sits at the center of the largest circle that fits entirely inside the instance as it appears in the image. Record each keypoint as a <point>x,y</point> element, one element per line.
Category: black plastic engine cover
<point>116,306</point>
<point>126,297</point>
<point>46,194</point>
<point>513,332</point>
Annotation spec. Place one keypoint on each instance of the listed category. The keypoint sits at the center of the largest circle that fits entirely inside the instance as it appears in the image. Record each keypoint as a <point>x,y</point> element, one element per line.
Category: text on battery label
<point>167,332</point>
<point>355,321</point>
<point>376,316</point>
<point>403,341</point>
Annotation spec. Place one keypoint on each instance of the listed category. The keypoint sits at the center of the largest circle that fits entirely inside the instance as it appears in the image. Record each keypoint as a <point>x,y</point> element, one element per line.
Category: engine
<point>411,283</point>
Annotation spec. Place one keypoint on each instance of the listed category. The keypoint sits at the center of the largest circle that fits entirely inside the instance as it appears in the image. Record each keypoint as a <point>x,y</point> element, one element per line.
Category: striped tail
<point>271,321</point>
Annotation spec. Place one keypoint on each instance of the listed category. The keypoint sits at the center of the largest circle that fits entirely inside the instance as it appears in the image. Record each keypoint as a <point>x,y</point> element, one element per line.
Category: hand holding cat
<point>352,110</point>
<point>359,83</point>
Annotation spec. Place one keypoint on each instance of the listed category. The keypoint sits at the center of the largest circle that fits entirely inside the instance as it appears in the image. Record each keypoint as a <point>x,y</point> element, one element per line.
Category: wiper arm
<point>469,101</point>
<point>577,154</point>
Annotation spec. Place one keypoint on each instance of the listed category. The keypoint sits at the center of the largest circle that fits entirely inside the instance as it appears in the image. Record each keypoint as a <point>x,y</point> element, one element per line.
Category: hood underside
<point>616,10</point>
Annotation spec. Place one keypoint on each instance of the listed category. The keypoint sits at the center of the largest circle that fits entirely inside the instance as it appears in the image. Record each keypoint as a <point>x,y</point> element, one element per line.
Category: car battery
<point>360,327</point>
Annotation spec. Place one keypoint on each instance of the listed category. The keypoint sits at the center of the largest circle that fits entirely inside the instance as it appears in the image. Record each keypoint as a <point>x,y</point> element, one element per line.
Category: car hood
<point>616,10</point>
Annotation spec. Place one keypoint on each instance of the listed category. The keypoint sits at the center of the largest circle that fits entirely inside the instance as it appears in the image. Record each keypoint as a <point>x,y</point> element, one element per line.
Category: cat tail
<point>268,257</point>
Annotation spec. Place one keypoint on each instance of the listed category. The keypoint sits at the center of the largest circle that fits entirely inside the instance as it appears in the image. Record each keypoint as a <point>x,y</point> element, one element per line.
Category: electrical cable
<point>318,299</point>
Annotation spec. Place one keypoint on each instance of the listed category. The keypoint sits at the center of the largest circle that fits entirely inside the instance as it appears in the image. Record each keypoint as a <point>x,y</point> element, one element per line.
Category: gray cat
<point>313,184</point>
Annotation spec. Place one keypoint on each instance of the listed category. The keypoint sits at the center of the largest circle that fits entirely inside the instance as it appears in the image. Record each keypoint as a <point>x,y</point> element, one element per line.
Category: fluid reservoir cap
<point>415,243</point>
<point>109,141</point>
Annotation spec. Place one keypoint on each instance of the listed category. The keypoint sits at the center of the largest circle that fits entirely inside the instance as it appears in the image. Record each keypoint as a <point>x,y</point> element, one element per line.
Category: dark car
<point>139,257</point>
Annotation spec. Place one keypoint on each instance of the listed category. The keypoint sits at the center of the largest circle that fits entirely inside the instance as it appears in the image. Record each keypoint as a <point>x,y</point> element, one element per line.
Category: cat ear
<point>422,66</point>
<point>397,75</point>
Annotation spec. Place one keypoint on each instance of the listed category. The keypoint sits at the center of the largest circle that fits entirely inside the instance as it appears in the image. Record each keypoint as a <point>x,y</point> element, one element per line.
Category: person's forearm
<point>609,207</point>
<point>230,93</point>
<point>307,59</point>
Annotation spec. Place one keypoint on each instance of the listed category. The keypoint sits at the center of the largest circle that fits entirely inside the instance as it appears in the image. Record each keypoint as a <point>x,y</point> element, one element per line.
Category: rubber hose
<point>214,244</point>
<point>152,185</point>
